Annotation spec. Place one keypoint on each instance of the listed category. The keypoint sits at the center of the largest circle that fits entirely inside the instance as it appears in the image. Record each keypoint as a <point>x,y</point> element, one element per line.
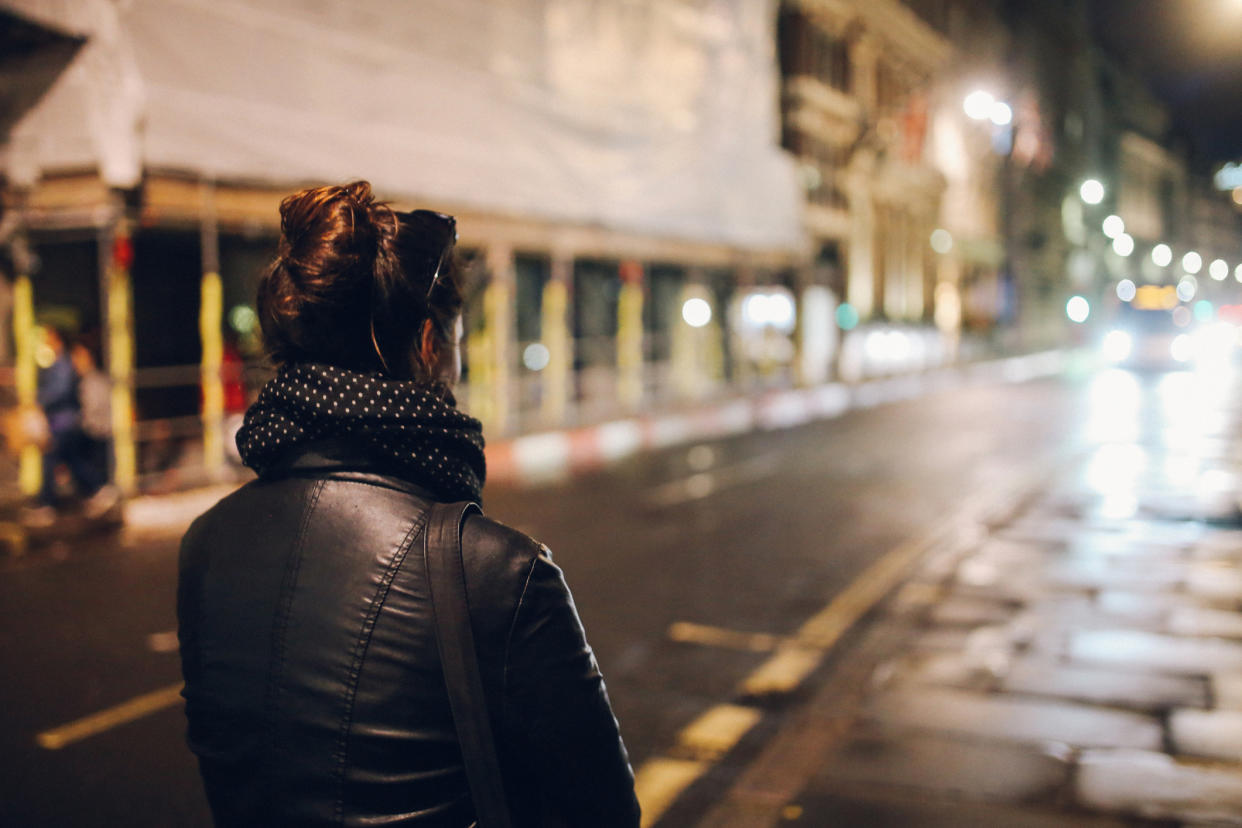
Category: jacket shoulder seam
<point>517,612</point>
<point>359,655</point>
<point>280,624</point>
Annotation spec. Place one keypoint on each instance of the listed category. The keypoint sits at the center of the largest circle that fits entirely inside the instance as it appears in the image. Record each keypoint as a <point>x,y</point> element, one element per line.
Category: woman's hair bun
<point>331,241</point>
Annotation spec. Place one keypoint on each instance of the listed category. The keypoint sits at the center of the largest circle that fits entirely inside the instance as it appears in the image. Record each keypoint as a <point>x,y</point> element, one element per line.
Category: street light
<point>1218,270</point>
<point>1162,254</point>
<point>1192,263</point>
<point>1114,226</point>
<point>1123,245</point>
<point>1077,309</point>
<point>1091,191</point>
<point>978,105</point>
<point>1000,113</point>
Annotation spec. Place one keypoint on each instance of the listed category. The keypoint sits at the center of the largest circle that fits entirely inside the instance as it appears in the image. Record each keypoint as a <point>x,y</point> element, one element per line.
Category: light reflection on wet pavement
<point>1081,662</point>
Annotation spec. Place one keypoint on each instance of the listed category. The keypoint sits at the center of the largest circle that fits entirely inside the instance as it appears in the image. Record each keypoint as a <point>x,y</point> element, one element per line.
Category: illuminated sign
<point>1155,297</point>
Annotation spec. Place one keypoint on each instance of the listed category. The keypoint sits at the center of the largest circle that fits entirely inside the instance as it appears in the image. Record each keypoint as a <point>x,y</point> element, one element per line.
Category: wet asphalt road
<point>752,534</point>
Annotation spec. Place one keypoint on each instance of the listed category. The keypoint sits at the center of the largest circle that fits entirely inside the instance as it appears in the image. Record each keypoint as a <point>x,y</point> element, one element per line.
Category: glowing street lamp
<point>978,105</point>
<point>1218,270</point>
<point>1077,309</point>
<point>1114,226</point>
<point>1192,263</point>
<point>1161,255</point>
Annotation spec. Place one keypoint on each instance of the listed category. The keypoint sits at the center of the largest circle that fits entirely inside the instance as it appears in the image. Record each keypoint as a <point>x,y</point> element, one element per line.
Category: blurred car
<point>1149,335</point>
<point>1155,337</point>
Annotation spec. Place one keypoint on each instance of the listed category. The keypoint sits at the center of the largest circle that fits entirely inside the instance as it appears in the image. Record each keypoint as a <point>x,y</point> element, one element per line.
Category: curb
<point>552,456</point>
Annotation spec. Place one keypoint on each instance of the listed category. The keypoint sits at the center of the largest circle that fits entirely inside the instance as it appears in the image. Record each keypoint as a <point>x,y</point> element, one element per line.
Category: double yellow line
<point>662,779</point>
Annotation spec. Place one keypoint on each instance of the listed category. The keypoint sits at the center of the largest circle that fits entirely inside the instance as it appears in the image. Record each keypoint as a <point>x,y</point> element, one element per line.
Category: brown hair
<point>341,292</point>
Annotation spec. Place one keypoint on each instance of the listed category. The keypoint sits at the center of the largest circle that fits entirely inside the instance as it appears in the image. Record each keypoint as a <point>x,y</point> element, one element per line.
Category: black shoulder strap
<point>446,579</point>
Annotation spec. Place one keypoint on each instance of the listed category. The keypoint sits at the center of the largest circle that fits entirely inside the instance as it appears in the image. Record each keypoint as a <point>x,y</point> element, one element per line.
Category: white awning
<point>651,116</point>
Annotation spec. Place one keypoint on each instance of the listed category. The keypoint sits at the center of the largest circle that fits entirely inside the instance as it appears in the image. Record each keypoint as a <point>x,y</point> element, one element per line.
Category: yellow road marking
<point>660,781</point>
<point>783,672</point>
<point>714,733</point>
<point>123,713</point>
<point>687,632</point>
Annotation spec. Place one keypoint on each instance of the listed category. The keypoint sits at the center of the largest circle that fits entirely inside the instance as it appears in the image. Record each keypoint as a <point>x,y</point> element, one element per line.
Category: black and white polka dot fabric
<point>399,423</point>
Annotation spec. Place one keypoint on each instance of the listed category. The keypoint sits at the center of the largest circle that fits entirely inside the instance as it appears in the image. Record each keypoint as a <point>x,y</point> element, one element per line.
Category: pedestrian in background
<point>311,626</point>
<point>95,399</point>
<point>68,446</point>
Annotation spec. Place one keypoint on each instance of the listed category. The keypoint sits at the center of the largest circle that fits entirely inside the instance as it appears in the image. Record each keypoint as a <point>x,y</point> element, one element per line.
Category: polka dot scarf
<point>400,424</point>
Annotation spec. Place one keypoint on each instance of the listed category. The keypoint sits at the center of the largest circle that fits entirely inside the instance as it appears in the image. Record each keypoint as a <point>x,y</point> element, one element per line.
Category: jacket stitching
<point>517,611</point>
<point>359,654</point>
<point>280,627</point>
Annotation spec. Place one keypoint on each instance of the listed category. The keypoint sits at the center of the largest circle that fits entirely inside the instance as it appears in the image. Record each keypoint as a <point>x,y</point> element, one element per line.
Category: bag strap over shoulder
<point>446,579</point>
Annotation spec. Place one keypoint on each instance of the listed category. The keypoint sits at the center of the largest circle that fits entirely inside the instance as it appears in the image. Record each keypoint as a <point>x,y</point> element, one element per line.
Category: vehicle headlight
<point>1117,346</point>
<point>1182,349</point>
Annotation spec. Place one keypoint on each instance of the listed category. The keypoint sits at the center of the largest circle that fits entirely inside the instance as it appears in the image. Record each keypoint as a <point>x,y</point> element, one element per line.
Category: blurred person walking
<point>68,445</point>
<point>95,399</point>
<point>326,610</point>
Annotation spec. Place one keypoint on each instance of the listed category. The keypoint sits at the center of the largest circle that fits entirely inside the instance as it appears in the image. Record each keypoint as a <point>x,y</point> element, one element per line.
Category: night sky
<point>1190,52</point>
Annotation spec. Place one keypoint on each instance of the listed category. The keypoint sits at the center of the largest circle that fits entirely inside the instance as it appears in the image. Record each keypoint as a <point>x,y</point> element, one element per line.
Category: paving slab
<point>1149,610</point>
<point>961,669</point>
<point>1215,734</point>
<point>1223,544</point>
<point>1157,786</point>
<point>1139,650</point>
<point>1227,690</point>
<point>1218,581</point>
<point>1097,572</point>
<point>1014,719</point>
<point>857,806</point>
<point>971,611</point>
<point>1146,692</point>
<point>1205,621</point>
<point>939,763</point>
<point>941,639</point>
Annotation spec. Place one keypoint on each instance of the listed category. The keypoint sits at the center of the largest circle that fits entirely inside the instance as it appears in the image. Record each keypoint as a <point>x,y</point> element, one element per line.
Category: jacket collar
<point>339,460</point>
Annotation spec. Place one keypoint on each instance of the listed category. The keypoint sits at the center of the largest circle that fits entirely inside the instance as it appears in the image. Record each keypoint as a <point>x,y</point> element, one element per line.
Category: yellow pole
<point>498,305</point>
<point>555,334</point>
<point>30,465</point>
<point>489,348</point>
<point>210,317</point>
<point>121,358</point>
<point>630,336</point>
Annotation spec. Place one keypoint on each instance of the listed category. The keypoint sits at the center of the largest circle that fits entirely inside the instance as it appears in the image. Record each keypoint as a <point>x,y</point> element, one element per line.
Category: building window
<point>806,50</point>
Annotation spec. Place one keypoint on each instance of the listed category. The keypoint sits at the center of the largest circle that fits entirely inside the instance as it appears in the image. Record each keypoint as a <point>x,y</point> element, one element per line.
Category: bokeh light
<point>696,312</point>
<point>1077,309</point>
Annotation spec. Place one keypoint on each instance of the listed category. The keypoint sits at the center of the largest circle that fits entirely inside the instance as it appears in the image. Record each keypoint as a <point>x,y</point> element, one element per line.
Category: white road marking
<point>700,485</point>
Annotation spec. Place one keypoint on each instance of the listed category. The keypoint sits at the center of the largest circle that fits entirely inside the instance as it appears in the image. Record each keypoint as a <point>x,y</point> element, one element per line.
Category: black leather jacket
<point>313,685</point>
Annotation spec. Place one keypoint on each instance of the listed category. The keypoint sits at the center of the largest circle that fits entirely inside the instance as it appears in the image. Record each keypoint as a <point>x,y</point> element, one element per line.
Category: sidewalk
<point>1063,664</point>
<point>535,459</point>
<point>555,455</point>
